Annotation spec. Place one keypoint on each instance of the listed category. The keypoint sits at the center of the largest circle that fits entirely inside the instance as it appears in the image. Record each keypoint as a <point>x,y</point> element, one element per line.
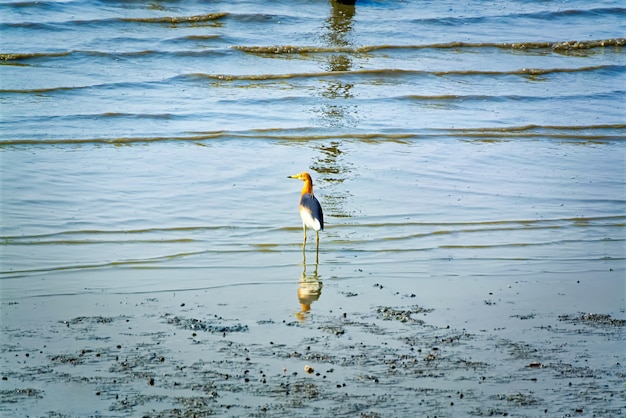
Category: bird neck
<point>307,188</point>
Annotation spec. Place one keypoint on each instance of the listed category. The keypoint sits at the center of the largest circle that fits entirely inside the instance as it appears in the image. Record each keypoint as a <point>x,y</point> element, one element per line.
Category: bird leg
<point>317,246</point>
<point>304,241</point>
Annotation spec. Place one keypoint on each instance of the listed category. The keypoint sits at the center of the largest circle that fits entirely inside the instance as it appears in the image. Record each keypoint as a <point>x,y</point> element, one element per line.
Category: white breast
<point>308,219</point>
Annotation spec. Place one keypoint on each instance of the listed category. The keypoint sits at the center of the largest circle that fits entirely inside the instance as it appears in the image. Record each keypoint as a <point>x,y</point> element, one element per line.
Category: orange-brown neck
<point>308,187</point>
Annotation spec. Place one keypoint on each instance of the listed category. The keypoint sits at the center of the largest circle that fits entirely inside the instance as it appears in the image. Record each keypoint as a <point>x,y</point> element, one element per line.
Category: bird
<point>310,208</point>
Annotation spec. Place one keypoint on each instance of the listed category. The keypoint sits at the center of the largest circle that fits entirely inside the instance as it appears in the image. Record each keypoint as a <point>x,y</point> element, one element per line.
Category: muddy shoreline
<point>181,354</point>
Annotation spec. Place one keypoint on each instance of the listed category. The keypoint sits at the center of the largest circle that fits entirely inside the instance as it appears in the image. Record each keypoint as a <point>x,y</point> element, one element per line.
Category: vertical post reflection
<point>335,111</point>
<point>336,34</point>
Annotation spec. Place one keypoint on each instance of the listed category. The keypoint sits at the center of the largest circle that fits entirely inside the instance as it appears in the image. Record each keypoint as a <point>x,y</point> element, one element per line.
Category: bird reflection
<point>309,288</point>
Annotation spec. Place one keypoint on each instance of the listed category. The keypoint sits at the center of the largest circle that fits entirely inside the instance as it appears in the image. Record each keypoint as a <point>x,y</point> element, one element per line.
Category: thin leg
<point>317,246</point>
<point>304,228</point>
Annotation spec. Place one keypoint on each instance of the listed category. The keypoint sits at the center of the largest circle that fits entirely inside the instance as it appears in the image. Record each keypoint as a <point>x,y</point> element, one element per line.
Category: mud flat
<point>444,347</point>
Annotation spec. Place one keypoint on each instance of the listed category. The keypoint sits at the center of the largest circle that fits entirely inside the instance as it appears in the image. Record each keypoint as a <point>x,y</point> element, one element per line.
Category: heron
<point>310,208</point>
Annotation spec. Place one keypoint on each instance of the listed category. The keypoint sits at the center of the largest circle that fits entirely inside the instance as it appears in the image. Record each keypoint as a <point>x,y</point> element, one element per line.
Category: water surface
<point>145,142</point>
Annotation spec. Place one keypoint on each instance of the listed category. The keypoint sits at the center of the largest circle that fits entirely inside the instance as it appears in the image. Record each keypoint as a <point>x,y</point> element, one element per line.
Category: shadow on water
<point>309,287</point>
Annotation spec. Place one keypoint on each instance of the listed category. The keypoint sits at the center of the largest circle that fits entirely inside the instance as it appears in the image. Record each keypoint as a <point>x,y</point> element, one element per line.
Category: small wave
<point>587,132</point>
<point>593,12</point>
<point>547,16</point>
<point>95,232</point>
<point>171,20</point>
<point>176,19</point>
<point>581,132</point>
<point>32,55</point>
<point>100,241</point>
<point>23,58</point>
<point>442,228</point>
<point>200,37</point>
<point>163,116</point>
<point>462,98</point>
<point>102,86</point>
<point>137,263</point>
<point>207,18</point>
<point>614,220</point>
<point>134,263</point>
<point>41,90</point>
<point>394,72</point>
<point>519,244</point>
<point>533,127</point>
<point>113,141</point>
<point>26,4</point>
<point>439,232</point>
<point>295,49</point>
<point>556,46</point>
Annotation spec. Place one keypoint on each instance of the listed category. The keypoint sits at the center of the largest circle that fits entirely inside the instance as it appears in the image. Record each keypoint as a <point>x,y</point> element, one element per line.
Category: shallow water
<point>146,148</point>
<point>433,133</point>
<point>187,210</point>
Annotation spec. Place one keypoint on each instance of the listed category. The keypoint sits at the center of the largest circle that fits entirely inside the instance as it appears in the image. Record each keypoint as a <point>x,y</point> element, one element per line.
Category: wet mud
<point>376,362</point>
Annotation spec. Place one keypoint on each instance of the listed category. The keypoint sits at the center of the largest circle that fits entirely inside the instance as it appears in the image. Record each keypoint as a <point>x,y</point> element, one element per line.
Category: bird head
<point>304,176</point>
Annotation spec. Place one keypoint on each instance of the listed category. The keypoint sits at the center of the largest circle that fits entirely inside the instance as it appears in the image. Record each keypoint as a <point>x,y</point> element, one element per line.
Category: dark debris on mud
<point>402,315</point>
<point>215,325</point>
<point>593,319</point>
<point>18,395</point>
<point>90,320</point>
<point>357,364</point>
